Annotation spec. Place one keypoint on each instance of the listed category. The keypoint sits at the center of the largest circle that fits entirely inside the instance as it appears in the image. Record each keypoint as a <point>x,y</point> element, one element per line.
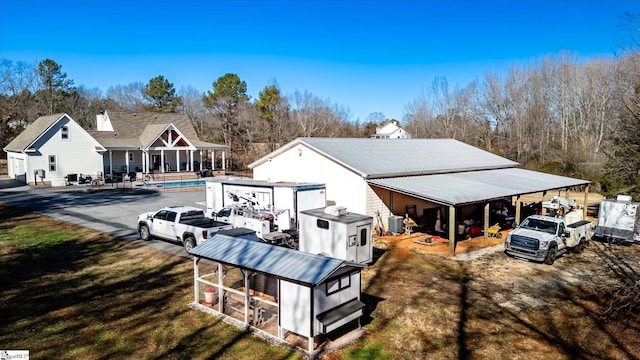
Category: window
<point>64,133</point>
<point>53,164</point>
<point>130,156</point>
<point>336,285</point>
<point>322,224</point>
<point>171,216</point>
<point>363,237</point>
<point>162,215</point>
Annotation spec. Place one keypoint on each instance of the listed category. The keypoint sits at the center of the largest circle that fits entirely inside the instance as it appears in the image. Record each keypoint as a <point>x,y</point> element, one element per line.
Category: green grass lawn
<point>73,293</point>
<point>68,292</point>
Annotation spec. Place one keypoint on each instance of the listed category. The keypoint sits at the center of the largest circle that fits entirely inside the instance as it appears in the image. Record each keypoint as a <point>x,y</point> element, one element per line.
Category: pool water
<point>174,184</point>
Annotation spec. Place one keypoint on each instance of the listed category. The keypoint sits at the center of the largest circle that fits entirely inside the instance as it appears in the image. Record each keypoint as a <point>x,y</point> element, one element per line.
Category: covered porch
<point>131,161</point>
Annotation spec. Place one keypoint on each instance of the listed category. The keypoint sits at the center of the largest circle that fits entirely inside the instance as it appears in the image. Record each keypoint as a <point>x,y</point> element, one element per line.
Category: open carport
<point>460,189</point>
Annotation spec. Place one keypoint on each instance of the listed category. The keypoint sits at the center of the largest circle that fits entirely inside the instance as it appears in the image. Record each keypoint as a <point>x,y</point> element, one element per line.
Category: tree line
<point>559,115</point>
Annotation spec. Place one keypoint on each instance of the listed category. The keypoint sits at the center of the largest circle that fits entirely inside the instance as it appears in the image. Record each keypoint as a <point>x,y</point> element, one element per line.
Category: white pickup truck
<point>185,224</point>
<point>544,238</point>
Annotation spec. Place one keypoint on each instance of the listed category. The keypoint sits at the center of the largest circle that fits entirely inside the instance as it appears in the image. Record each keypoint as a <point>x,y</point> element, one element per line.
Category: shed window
<point>363,237</point>
<point>64,133</point>
<point>53,163</point>
<point>336,285</point>
<point>322,224</point>
<point>130,156</point>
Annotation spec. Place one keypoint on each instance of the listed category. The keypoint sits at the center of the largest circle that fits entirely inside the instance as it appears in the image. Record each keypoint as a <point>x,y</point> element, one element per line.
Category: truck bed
<point>204,223</point>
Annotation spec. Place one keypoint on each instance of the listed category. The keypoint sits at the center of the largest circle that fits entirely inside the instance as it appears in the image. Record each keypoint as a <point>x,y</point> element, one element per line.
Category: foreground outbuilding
<point>277,291</point>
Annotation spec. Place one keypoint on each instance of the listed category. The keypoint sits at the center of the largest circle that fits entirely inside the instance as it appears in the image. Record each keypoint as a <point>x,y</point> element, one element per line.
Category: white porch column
<point>126,159</point>
<point>200,160</point>
<point>191,160</point>
<point>162,160</point>
<point>223,160</point>
<point>144,160</point>
<point>178,160</point>
<point>110,164</point>
<point>213,159</point>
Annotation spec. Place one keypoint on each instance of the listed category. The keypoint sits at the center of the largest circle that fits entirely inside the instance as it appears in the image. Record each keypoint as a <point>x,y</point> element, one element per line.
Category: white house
<point>417,177</point>
<point>390,131</point>
<point>50,148</point>
<point>55,146</point>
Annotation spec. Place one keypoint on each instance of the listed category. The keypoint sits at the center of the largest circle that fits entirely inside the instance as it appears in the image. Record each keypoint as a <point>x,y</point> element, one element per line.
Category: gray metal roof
<point>347,218</point>
<point>268,184</point>
<point>379,158</point>
<point>476,186</point>
<point>289,264</point>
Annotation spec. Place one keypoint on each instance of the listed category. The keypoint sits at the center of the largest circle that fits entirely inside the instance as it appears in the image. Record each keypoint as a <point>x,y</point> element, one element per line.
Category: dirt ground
<point>487,305</point>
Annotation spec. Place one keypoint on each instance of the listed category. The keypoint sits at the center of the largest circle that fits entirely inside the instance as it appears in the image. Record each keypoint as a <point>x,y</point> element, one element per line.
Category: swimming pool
<point>173,184</point>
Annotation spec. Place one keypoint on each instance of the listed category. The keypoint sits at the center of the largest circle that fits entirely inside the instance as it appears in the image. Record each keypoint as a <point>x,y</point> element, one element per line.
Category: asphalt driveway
<point>111,211</point>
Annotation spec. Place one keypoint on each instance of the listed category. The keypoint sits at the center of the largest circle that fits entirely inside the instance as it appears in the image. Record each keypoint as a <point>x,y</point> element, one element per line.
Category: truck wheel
<point>189,243</point>
<point>580,248</point>
<point>144,233</point>
<point>551,256</point>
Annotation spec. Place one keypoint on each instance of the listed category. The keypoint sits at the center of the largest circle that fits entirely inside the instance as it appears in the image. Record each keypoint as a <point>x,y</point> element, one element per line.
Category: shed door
<point>364,245</point>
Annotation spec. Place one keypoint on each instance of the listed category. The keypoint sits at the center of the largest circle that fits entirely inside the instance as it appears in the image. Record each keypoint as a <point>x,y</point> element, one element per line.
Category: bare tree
<point>127,97</point>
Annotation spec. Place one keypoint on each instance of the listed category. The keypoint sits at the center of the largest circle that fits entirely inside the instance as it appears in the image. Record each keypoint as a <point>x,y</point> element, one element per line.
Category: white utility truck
<point>283,201</point>
<point>185,224</point>
<point>262,222</point>
<point>544,238</point>
<point>618,220</point>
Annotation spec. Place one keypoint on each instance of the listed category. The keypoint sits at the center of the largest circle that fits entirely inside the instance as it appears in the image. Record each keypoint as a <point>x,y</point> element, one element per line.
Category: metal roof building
<point>397,176</point>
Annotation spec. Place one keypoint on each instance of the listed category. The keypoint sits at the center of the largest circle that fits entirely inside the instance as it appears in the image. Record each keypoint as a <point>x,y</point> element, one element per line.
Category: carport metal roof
<point>476,186</point>
<point>289,264</point>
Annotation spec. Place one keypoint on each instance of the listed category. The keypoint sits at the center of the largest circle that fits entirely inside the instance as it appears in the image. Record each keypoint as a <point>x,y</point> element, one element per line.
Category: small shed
<point>313,295</point>
<point>333,231</point>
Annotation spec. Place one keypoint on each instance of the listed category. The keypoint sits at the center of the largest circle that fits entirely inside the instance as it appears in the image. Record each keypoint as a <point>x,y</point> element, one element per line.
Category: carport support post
<point>452,230</point>
<point>486,222</point>
<point>518,202</point>
<point>246,296</point>
<point>196,275</point>
<point>584,204</point>
<point>220,292</point>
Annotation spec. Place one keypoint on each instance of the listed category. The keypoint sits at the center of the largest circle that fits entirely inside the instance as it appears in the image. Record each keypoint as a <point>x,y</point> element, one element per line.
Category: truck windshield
<point>548,227</point>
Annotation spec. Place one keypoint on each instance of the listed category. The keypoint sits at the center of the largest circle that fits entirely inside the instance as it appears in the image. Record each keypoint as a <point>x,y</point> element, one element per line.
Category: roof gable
<point>27,139</point>
<point>139,130</point>
<point>380,158</point>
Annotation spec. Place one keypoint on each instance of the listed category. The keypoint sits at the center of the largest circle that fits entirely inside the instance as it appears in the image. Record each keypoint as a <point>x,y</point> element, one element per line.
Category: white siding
<point>374,202</point>
<point>295,308</point>
<point>344,187</point>
<point>76,155</point>
<point>324,302</point>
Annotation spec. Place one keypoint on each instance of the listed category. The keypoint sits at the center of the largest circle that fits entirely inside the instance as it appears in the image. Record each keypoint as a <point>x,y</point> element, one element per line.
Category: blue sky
<point>369,56</point>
